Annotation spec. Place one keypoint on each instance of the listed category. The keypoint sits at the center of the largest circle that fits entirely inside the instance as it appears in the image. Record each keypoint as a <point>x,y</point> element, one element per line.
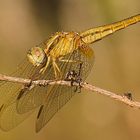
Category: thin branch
<point>124,99</point>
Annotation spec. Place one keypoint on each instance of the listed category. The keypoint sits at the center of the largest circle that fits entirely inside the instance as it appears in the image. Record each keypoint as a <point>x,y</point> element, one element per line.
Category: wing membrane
<point>9,117</point>
<point>50,98</point>
<point>57,95</point>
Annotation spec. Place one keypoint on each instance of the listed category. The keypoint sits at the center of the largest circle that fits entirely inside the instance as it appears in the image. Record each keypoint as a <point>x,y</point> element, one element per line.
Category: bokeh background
<point>26,23</point>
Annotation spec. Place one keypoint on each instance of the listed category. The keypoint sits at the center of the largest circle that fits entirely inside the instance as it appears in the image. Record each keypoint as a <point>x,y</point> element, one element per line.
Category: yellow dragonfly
<point>62,56</point>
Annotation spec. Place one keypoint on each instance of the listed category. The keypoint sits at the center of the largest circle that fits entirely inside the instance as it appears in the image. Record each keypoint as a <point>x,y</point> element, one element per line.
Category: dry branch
<point>123,99</point>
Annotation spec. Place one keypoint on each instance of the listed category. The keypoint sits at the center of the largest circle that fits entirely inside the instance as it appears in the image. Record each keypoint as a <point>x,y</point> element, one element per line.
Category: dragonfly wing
<point>33,98</point>
<point>16,108</point>
<point>9,118</point>
<point>9,92</point>
<point>10,113</point>
<point>59,95</point>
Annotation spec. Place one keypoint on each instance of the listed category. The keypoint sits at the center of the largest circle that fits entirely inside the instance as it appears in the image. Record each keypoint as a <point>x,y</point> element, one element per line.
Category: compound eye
<point>38,52</point>
<point>36,56</point>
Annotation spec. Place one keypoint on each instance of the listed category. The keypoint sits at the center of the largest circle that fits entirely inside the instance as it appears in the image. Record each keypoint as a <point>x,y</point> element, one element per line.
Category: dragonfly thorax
<point>36,56</point>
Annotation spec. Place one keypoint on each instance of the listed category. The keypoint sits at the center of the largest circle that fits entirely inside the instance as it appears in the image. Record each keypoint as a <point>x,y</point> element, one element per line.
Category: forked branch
<point>122,98</point>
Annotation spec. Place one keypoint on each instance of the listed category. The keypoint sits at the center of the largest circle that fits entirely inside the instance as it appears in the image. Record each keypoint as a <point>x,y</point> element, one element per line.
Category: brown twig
<point>124,99</point>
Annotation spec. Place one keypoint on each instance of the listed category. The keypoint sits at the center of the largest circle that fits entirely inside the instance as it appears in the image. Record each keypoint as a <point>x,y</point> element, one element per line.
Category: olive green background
<point>88,116</point>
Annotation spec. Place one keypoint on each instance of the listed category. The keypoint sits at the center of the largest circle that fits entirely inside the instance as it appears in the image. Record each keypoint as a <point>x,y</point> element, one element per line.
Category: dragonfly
<point>64,56</point>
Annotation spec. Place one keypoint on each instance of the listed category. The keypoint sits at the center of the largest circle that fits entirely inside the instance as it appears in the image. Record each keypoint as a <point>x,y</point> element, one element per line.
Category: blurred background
<point>26,23</point>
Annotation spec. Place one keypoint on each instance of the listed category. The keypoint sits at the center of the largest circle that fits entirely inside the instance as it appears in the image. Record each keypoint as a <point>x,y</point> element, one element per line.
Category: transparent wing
<point>9,92</point>
<point>19,108</point>
<point>13,110</point>
<point>33,98</point>
<point>57,96</point>
<point>30,100</point>
<point>9,118</point>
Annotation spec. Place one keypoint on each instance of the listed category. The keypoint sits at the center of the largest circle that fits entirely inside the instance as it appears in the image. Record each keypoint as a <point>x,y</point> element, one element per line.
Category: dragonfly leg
<point>70,76</point>
<point>69,61</point>
<point>56,70</point>
<point>45,67</point>
<point>79,79</point>
<point>74,76</point>
<point>78,88</point>
<point>128,95</point>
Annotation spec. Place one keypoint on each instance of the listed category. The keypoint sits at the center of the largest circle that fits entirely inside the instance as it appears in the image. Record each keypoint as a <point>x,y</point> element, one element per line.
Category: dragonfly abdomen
<point>98,33</point>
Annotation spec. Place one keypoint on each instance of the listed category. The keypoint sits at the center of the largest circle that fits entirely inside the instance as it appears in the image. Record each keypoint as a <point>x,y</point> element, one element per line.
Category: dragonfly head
<point>36,56</point>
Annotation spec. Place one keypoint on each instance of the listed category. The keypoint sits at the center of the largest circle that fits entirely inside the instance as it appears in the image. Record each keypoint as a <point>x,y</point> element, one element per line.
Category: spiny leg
<point>70,76</point>
<point>45,67</point>
<point>79,79</point>
<point>128,95</point>
<point>56,69</point>
<point>74,76</point>
<point>69,61</point>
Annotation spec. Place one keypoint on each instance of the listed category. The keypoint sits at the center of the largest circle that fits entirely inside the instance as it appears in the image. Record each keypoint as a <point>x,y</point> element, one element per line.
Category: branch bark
<point>122,98</point>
